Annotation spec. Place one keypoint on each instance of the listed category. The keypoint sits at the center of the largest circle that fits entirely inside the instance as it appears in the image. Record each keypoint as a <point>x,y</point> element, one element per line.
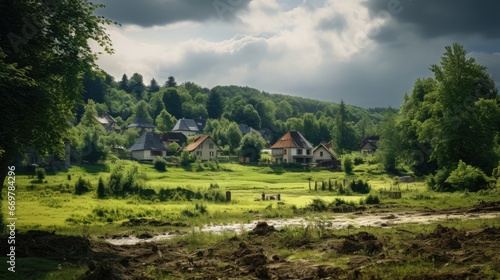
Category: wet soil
<point>258,254</point>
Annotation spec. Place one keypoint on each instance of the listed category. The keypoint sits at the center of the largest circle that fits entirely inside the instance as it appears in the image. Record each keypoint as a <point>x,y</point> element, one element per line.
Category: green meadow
<point>53,205</point>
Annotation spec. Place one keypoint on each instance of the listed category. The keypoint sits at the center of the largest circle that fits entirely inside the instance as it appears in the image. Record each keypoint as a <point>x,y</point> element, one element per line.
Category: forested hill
<point>162,104</point>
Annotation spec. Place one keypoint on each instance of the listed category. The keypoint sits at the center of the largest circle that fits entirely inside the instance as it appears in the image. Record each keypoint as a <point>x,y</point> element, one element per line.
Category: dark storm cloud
<point>160,12</point>
<point>336,23</point>
<point>431,18</point>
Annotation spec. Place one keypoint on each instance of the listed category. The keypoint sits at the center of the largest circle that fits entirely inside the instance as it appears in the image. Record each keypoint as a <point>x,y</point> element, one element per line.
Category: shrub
<point>467,177</point>
<point>347,165</point>
<point>82,186</point>
<point>372,199</point>
<point>358,160</point>
<point>40,173</point>
<point>437,182</point>
<point>359,187</point>
<point>186,158</point>
<point>160,164</point>
<point>101,189</point>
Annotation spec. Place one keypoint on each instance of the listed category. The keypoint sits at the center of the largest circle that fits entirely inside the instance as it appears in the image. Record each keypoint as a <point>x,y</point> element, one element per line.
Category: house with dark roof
<point>142,124</point>
<point>108,123</point>
<point>204,148</point>
<point>369,144</point>
<point>170,137</point>
<point>148,147</point>
<point>190,126</point>
<point>292,147</point>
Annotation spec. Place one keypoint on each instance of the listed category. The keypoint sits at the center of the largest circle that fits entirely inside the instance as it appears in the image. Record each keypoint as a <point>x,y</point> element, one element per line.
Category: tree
<point>344,136</point>
<point>172,102</point>
<point>251,144</point>
<point>141,110</point>
<point>165,121</point>
<point>215,105</point>
<point>153,86</point>
<point>123,84</point>
<point>233,136</point>
<point>136,86</point>
<point>389,141</point>
<point>464,117</point>
<point>41,71</point>
<point>155,105</point>
<point>171,83</point>
<point>311,128</point>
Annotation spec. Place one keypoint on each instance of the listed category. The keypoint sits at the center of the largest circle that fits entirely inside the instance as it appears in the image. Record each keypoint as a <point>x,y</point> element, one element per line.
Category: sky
<point>366,52</point>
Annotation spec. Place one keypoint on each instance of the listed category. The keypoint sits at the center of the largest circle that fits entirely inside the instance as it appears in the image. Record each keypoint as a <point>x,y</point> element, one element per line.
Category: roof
<point>198,141</point>
<point>141,122</point>
<point>187,125</point>
<point>292,139</point>
<point>321,145</point>
<point>173,136</point>
<point>245,128</point>
<point>105,120</point>
<point>147,142</point>
<point>370,141</point>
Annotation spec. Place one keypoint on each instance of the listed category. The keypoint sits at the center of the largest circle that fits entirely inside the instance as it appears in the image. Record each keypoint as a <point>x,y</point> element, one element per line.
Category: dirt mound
<point>444,238</point>
<point>262,228</point>
<point>361,241</point>
<point>50,245</point>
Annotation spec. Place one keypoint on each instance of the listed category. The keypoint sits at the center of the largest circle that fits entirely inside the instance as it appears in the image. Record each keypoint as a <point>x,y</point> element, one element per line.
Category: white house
<point>148,147</point>
<point>292,148</point>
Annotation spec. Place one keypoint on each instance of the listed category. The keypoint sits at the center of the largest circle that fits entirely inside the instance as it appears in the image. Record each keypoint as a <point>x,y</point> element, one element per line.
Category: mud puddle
<point>337,221</point>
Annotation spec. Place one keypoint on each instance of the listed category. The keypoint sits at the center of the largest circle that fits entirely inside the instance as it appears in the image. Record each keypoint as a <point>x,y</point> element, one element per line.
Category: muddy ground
<point>454,254</point>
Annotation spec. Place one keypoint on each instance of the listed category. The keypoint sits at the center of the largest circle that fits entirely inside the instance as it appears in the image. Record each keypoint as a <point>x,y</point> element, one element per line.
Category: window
<point>320,154</point>
<point>284,152</point>
<point>198,153</point>
<point>210,146</point>
<point>212,153</point>
<point>308,152</point>
<point>299,151</point>
<point>156,153</point>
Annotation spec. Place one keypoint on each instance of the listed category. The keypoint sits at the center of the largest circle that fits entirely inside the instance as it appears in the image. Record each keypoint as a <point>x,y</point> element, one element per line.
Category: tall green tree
<point>171,82</point>
<point>251,144</point>
<point>464,116</point>
<point>233,136</point>
<point>153,86</point>
<point>389,143</point>
<point>172,102</point>
<point>343,134</point>
<point>42,63</point>
<point>215,105</point>
<point>311,128</point>
<point>136,86</point>
<point>165,121</point>
<point>123,84</point>
<point>141,110</point>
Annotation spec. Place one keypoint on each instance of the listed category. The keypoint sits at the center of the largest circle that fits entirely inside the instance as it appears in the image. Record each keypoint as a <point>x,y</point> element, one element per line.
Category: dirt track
<point>256,256</point>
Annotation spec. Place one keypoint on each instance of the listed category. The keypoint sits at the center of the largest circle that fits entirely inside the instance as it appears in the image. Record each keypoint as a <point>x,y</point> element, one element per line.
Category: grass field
<point>52,204</point>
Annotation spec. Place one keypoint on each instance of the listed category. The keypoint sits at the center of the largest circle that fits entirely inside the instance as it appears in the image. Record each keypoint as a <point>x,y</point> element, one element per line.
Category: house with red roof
<point>204,148</point>
<point>292,147</point>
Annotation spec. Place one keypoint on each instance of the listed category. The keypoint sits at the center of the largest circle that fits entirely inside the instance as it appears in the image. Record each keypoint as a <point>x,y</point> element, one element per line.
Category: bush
<point>40,173</point>
<point>82,186</point>
<point>358,160</point>
<point>467,177</point>
<point>372,199</point>
<point>160,164</point>
<point>186,158</point>
<point>101,189</point>
<point>347,165</point>
<point>359,187</point>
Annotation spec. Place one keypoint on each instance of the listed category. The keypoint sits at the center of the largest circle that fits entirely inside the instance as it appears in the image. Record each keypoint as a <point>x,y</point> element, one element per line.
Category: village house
<point>204,148</point>
<point>369,144</point>
<point>190,127</point>
<point>148,147</point>
<point>322,154</point>
<point>292,148</point>
<point>142,125</point>
<point>108,123</point>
